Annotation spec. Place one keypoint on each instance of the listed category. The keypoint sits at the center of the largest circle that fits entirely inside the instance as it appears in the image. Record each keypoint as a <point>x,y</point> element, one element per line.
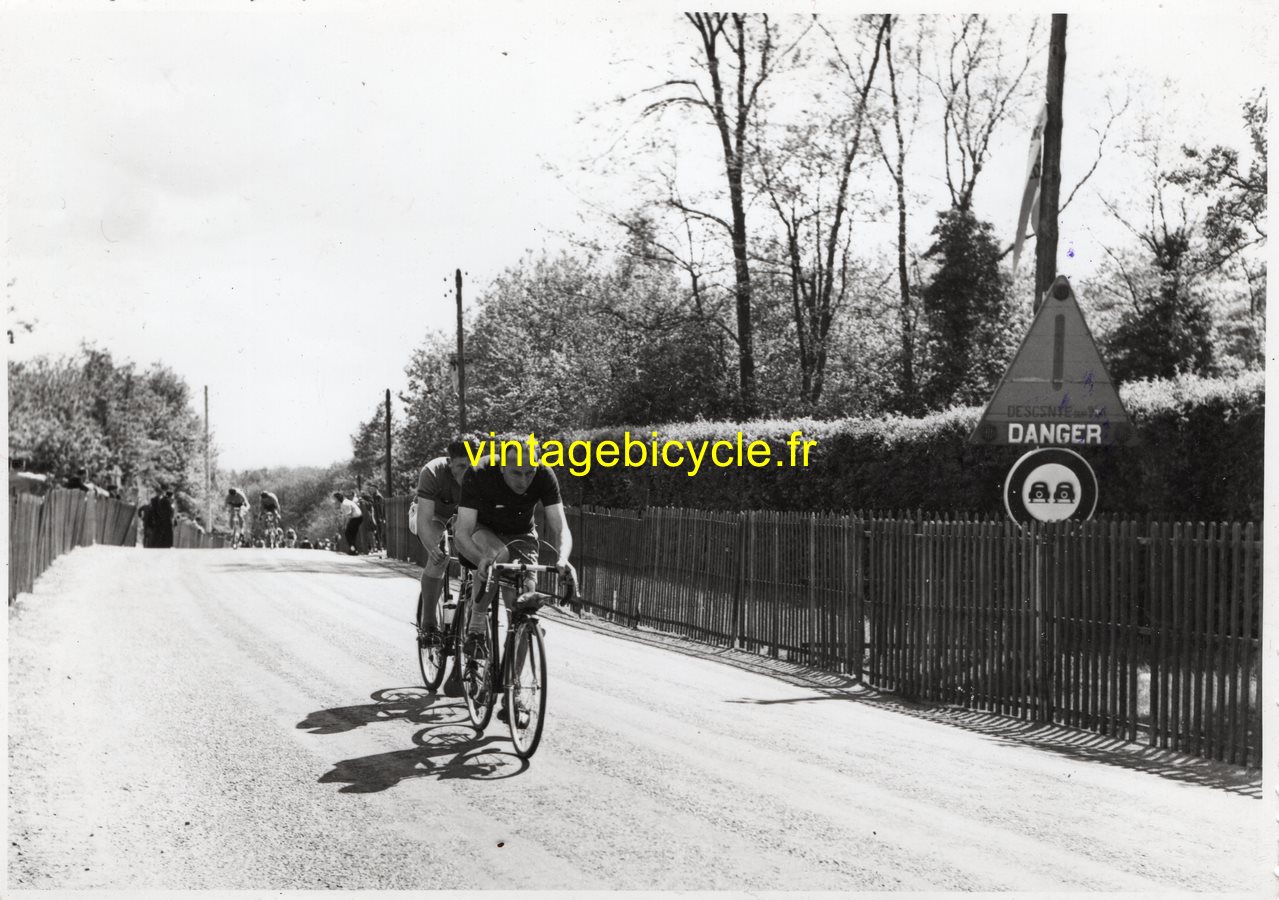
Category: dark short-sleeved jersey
<point>436,482</point>
<point>501,509</point>
<point>270,501</point>
<point>236,498</point>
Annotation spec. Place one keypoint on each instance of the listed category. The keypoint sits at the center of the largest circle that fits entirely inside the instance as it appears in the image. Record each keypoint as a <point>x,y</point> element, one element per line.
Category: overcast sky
<point>271,198</point>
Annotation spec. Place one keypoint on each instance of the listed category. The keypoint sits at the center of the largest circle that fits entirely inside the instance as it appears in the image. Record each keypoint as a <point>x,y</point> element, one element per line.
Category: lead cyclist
<point>495,524</point>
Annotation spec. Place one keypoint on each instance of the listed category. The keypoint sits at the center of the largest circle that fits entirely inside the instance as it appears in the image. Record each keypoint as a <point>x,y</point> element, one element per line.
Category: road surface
<point>198,719</point>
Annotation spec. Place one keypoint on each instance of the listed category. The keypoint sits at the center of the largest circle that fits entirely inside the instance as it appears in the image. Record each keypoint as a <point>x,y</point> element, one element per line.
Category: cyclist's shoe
<point>476,645</point>
<point>429,637</point>
<point>521,714</point>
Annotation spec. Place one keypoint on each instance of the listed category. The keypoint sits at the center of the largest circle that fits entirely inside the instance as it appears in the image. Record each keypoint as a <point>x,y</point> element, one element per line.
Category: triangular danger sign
<point>1057,391</point>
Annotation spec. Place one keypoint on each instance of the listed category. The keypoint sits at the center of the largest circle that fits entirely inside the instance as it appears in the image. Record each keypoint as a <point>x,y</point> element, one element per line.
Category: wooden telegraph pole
<point>461,359</point>
<point>388,442</point>
<point>1050,177</point>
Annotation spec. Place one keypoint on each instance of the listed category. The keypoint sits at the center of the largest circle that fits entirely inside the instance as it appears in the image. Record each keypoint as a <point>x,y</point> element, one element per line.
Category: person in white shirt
<point>350,511</point>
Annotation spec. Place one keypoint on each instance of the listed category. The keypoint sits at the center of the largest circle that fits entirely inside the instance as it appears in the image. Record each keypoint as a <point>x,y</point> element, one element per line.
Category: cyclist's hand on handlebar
<point>569,574</point>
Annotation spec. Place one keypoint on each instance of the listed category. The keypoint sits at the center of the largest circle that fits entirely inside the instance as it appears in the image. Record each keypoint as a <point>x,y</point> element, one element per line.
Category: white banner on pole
<point>1029,211</point>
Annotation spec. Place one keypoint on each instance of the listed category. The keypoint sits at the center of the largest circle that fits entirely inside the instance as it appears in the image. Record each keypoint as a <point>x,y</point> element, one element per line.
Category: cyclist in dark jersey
<point>495,524</point>
<point>237,504</point>
<point>495,521</point>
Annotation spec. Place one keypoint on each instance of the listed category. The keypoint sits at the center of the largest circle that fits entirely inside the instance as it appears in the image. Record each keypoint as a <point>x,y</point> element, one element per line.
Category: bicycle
<point>524,691</point>
<point>268,520</point>
<point>236,516</point>
<point>433,656</point>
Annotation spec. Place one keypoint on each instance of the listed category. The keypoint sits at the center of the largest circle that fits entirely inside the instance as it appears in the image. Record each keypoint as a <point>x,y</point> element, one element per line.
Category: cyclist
<point>236,504</point>
<point>438,490</point>
<point>290,538</point>
<point>268,512</point>
<point>495,524</point>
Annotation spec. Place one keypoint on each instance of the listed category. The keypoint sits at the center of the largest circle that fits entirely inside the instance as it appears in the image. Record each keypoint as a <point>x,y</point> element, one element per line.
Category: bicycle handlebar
<point>536,569</point>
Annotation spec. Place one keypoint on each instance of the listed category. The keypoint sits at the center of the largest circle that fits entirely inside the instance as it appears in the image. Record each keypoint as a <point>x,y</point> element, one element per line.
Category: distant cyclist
<point>268,512</point>
<point>290,538</point>
<point>236,503</point>
<point>439,487</point>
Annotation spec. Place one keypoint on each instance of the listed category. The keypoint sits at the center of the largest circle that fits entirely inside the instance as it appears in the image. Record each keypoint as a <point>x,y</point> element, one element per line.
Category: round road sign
<point>1050,485</point>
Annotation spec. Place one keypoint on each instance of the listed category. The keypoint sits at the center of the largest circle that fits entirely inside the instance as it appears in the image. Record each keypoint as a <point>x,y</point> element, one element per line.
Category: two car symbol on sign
<point>1065,493</point>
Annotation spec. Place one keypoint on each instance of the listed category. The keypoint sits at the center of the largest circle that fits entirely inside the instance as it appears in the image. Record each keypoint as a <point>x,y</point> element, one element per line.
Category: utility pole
<point>388,443</point>
<point>461,359</point>
<point>208,498</point>
<point>1050,177</point>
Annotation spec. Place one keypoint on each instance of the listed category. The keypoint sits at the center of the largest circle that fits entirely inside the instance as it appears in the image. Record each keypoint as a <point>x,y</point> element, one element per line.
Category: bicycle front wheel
<point>526,688</point>
<point>432,658</point>
<point>475,670</point>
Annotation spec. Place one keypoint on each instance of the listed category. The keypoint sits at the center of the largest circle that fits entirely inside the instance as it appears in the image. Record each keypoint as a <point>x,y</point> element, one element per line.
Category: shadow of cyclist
<point>451,750</point>
<point>416,705</point>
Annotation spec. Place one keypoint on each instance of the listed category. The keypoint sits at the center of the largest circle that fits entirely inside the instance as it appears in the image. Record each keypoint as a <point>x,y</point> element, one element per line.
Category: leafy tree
<point>1236,219</point>
<point>90,411</point>
<point>368,449</point>
<point>807,175</point>
<point>968,309</point>
<point>1167,328</point>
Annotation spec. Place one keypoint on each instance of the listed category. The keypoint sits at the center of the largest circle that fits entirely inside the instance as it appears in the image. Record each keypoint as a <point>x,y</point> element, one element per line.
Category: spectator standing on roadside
<point>349,511</point>
<point>162,518</point>
<point>368,532</point>
<point>379,514</point>
<point>148,535</point>
<point>79,481</point>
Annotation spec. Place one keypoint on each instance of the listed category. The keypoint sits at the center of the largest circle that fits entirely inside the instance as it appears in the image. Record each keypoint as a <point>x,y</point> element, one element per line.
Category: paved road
<point>214,719</point>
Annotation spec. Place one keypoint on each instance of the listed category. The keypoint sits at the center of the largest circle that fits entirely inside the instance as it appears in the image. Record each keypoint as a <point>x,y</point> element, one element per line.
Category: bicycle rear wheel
<point>476,672</point>
<point>432,658</point>
<point>526,688</point>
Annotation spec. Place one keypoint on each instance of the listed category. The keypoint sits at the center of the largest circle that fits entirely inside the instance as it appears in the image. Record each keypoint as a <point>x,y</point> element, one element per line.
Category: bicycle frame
<point>512,575</point>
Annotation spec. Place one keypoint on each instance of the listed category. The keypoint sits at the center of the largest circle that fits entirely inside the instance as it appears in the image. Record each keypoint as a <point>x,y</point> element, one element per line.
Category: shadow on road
<point>416,705</point>
<point>447,748</point>
<point>1069,742</point>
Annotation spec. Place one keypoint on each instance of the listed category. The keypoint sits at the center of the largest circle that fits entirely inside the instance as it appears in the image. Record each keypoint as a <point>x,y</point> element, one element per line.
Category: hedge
<point>1200,456</point>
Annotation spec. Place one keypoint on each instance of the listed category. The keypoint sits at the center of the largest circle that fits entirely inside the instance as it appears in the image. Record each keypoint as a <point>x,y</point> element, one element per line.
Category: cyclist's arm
<point>463,529</point>
<point>429,527</point>
<point>557,533</point>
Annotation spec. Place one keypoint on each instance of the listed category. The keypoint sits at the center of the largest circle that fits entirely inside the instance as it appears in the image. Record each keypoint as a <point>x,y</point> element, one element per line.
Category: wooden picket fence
<point>42,528</point>
<point>1145,631</point>
<point>187,536</point>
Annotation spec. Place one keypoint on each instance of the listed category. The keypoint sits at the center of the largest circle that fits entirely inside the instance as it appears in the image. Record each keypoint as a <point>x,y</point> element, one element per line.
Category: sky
<point>271,198</point>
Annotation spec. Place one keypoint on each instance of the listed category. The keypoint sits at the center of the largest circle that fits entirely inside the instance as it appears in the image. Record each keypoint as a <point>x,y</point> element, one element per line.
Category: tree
<point>981,79</point>
<point>90,411</point>
<point>807,178</point>
<point>968,309</point>
<point>1167,329</point>
<point>738,54</point>
<point>1236,220</point>
<point>368,448</point>
<point>908,395</point>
